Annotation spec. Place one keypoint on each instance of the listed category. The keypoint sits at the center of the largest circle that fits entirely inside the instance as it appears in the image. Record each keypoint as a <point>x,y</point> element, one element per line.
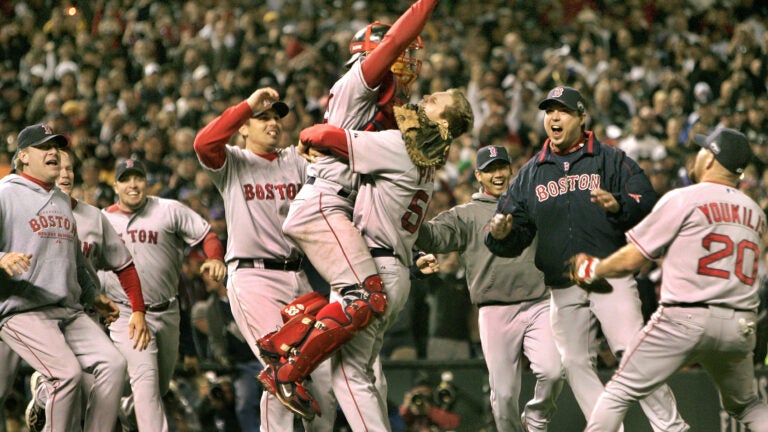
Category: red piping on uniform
<point>639,246</point>
<point>628,355</point>
<point>330,228</point>
<point>351,393</point>
<point>52,396</point>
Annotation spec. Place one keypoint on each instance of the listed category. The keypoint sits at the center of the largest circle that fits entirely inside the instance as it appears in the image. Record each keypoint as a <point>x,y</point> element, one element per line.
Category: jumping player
<point>399,166</point>
<point>578,194</point>
<point>710,236</point>
<point>155,231</point>
<point>258,184</point>
<point>512,299</point>
<point>45,281</point>
<point>381,69</point>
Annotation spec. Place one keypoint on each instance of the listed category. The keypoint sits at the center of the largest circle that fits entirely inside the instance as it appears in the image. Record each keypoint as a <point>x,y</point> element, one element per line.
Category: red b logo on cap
<point>47,129</point>
<point>557,92</point>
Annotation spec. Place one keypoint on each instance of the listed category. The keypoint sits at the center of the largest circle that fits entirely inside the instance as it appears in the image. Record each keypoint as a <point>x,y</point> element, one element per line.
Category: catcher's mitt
<point>582,273</point>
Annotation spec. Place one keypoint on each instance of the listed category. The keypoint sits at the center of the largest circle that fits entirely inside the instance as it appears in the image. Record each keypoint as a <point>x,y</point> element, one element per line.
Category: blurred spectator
<point>640,144</point>
<point>423,412</point>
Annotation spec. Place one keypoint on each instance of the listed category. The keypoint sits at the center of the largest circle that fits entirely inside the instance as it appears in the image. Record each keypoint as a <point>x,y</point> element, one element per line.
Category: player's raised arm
<point>402,33</point>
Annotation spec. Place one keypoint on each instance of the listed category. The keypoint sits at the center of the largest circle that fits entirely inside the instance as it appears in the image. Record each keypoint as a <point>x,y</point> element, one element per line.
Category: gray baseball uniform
<point>389,208</point>
<point>257,192</point>
<point>513,316</point>
<point>42,317</point>
<point>319,220</point>
<point>155,236</point>
<point>10,361</point>
<point>710,237</point>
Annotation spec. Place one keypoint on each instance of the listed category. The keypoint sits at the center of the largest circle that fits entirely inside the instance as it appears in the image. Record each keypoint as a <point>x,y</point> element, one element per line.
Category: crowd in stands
<point>138,78</point>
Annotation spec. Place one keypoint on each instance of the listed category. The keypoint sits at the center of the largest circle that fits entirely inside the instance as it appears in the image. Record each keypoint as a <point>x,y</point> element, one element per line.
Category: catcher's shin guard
<point>336,324</point>
<point>277,344</point>
<point>308,304</point>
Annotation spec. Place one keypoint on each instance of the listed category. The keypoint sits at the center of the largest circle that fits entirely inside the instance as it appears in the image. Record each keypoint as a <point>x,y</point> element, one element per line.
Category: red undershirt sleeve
<point>210,142</point>
<point>212,247</point>
<point>400,35</point>
<point>129,280</point>
<point>325,137</point>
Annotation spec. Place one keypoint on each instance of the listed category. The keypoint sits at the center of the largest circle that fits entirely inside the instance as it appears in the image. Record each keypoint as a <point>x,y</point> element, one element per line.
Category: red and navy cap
<point>730,147</point>
<point>280,107</point>
<point>38,134</point>
<point>490,154</point>
<point>128,166</point>
<point>567,96</point>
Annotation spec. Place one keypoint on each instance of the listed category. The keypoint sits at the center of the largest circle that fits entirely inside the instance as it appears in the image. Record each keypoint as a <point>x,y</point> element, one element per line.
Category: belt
<point>344,193</point>
<point>160,307</point>
<point>155,307</point>
<point>701,305</point>
<point>285,265</point>
<point>381,252</point>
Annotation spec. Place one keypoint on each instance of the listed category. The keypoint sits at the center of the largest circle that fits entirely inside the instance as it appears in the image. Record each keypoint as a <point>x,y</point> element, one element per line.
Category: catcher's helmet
<point>407,66</point>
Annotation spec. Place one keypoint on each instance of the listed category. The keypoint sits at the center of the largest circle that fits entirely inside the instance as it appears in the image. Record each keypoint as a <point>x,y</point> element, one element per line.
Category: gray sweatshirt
<point>491,279</point>
<point>40,222</point>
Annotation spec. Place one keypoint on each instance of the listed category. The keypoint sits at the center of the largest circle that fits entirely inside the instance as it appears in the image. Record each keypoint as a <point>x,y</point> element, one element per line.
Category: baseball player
<point>102,247</point>
<point>381,68</point>
<point>577,194</point>
<point>155,231</point>
<point>45,281</point>
<point>258,184</point>
<point>710,238</point>
<point>389,209</point>
<point>511,297</point>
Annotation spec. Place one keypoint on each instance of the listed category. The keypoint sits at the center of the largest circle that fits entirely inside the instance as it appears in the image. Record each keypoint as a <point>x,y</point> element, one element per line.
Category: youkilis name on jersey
<point>568,183</point>
<point>270,191</point>
<point>720,212</point>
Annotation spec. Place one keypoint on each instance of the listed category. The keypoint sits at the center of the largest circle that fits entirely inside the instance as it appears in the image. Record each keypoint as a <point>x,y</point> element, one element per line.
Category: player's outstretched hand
<point>427,264</point>
<point>216,269</point>
<point>501,225</point>
<point>106,308</point>
<point>582,273</point>
<point>138,331</point>
<point>15,263</point>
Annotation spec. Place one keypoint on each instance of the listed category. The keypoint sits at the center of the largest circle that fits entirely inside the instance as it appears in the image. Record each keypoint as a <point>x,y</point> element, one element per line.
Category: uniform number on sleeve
<point>411,219</point>
<point>726,251</point>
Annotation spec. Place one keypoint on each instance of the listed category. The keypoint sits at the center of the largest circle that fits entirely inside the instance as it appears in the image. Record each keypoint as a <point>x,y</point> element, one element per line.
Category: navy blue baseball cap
<point>730,147</point>
<point>490,154</point>
<point>567,96</point>
<point>280,107</point>
<point>38,134</point>
<point>128,166</point>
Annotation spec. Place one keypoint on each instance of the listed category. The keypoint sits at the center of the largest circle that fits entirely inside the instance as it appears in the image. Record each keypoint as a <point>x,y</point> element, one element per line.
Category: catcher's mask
<point>407,66</point>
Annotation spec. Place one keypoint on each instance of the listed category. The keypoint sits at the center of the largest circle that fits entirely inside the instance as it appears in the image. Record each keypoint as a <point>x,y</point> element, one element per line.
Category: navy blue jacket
<point>552,199</point>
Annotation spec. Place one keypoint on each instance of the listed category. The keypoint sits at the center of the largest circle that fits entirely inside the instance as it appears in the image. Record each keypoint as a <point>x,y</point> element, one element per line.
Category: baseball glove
<point>427,142</point>
<point>582,273</point>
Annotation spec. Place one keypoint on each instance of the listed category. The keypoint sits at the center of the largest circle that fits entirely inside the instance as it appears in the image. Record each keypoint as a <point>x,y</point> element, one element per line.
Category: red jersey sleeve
<point>325,137</point>
<point>400,35</point>
<point>129,280</point>
<point>211,140</point>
